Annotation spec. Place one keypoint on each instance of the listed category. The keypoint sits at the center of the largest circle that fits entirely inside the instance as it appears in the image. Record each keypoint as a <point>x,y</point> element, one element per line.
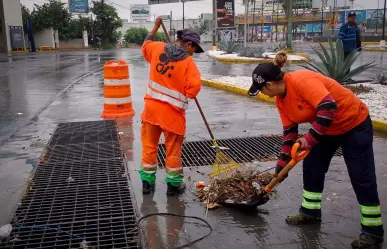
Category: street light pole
<point>183,12</point>
<point>214,24</point>
<point>246,20</point>
<point>290,22</point>
<point>384,20</point>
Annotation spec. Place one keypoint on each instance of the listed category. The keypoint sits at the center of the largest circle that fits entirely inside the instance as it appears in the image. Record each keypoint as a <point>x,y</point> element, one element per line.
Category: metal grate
<point>74,204</point>
<point>242,150</point>
<point>81,152</point>
<point>86,126</point>
<point>102,234</point>
<point>79,173</point>
<point>99,136</point>
<point>79,192</point>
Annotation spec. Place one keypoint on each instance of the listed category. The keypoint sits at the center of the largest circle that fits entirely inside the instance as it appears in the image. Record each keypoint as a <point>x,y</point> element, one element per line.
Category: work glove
<point>304,143</point>
<point>277,171</point>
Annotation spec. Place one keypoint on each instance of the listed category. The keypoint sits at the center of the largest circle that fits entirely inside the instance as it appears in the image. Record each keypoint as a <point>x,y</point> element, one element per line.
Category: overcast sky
<point>192,9</point>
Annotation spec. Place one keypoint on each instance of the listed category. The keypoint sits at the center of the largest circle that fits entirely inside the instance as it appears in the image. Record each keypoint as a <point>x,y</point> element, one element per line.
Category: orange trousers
<point>150,136</point>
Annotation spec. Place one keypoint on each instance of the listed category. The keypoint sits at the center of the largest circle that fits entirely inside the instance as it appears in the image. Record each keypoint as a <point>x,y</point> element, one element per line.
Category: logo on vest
<point>162,67</point>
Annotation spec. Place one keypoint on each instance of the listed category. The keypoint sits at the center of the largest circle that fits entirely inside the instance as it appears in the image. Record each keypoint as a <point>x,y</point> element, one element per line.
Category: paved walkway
<point>230,116</point>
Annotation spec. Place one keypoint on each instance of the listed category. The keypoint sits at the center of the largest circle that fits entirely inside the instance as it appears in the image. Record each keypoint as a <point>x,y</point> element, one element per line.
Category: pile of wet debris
<point>242,187</point>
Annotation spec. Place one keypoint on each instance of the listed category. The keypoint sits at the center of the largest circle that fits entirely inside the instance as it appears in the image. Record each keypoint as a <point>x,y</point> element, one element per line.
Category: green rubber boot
<point>301,219</point>
<point>366,241</point>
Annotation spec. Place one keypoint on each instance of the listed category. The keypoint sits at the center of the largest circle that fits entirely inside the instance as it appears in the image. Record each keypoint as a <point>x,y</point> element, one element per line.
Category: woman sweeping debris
<point>338,118</point>
<point>173,79</point>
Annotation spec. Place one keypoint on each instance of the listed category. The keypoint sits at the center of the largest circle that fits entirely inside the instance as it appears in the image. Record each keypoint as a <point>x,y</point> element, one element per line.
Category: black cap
<point>261,75</point>
<point>190,35</point>
<point>351,13</point>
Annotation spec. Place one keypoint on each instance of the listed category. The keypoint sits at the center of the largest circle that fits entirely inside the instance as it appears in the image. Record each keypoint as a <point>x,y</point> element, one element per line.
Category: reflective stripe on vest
<point>165,94</point>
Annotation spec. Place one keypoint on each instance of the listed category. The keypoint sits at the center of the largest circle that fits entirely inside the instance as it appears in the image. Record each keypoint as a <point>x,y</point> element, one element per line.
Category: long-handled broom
<point>223,165</point>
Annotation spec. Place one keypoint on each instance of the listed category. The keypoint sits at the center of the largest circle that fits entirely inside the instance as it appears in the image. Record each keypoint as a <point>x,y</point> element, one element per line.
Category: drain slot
<point>242,150</point>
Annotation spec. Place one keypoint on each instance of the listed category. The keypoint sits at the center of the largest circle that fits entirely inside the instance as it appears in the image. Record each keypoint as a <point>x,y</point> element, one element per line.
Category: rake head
<point>224,166</point>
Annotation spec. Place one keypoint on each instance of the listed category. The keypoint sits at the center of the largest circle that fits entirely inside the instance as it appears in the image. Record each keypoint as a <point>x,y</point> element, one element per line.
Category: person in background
<point>349,34</point>
<point>338,118</point>
<point>173,79</point>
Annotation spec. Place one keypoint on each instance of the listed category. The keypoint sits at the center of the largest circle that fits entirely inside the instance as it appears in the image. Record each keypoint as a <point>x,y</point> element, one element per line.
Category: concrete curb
<point>365,49</point>
<point>365,43</point>
<point>253,60</point>
<point>378,124</point>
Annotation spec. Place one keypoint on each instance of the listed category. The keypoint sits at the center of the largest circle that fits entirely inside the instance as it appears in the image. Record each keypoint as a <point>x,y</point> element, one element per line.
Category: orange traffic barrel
<point>117,92</point>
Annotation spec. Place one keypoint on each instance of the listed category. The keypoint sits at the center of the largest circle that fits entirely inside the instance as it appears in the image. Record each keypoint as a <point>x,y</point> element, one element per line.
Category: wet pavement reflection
<point>68,86</point>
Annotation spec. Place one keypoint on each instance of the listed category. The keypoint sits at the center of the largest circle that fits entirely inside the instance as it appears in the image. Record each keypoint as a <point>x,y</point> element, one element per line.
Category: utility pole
<point>290,24</point>
<point>276,25</point>
<point>170,26</point>
<point>252,30</point>
<point>377,18</point>
<point>384,21</point>
<point>214,24</point>
<point>246,20</point>
<point>183,12</point>
<point>272,24</point>
<point>263,23</point>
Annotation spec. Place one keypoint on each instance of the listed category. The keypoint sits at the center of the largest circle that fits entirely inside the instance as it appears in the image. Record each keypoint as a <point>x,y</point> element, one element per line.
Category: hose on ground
<point>181,216</point>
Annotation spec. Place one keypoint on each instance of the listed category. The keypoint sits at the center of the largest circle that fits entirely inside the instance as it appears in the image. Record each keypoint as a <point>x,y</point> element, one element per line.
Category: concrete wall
<point>42,38</point>
<point>72,44</point>
<point>12,17</point>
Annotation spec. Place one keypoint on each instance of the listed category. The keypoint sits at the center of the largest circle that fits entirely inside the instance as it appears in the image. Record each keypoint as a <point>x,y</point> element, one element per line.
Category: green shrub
<point>333,64</point>
<point>229,47</point>
<point>160,36</point>
<point>251,52</point>
<point>136,35</point>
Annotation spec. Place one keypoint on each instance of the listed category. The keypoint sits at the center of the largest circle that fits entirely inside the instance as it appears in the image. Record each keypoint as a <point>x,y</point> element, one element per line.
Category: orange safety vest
<point>170,86</point>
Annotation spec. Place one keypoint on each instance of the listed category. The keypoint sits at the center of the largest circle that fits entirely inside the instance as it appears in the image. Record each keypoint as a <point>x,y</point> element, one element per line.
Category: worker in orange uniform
<point>338,118</point>
<point>173,79</point>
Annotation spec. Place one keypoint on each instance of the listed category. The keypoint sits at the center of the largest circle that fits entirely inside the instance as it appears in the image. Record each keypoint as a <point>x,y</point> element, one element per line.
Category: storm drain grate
<point>86,126</point>
<point>79,192</point>
<point>102,234</point>
<point>79,172</point>
<point>242,150</point>
<point>82,152</point>
<point>74,204</point>
<point>99,136</point>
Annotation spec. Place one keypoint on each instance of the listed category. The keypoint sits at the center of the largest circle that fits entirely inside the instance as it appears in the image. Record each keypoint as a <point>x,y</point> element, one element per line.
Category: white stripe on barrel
<point>117,101</point>
<point>109,82</point>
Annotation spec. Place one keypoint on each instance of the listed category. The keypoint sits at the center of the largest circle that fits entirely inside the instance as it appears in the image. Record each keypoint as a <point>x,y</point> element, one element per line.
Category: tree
<point>25,15</point>
<point>201,26</point>
<point>135,35</point>
<point>106,22</point>
<point>53,14</point>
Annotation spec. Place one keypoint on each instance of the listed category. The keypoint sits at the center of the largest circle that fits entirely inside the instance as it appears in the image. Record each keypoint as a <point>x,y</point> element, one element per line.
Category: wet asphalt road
<point>33,100</point>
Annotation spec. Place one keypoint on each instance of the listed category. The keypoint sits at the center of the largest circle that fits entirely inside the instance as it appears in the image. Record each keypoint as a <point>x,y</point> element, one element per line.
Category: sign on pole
<point>79,6</point>
<point>140,12</point>
<point>152,2</point>
<point>225,13</point>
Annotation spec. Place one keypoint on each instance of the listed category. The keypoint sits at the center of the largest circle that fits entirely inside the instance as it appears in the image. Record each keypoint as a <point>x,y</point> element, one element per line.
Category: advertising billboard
<point>140,12</point>
<point>17,36</point>
<point>79,6</point>
<point>225,13</point>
